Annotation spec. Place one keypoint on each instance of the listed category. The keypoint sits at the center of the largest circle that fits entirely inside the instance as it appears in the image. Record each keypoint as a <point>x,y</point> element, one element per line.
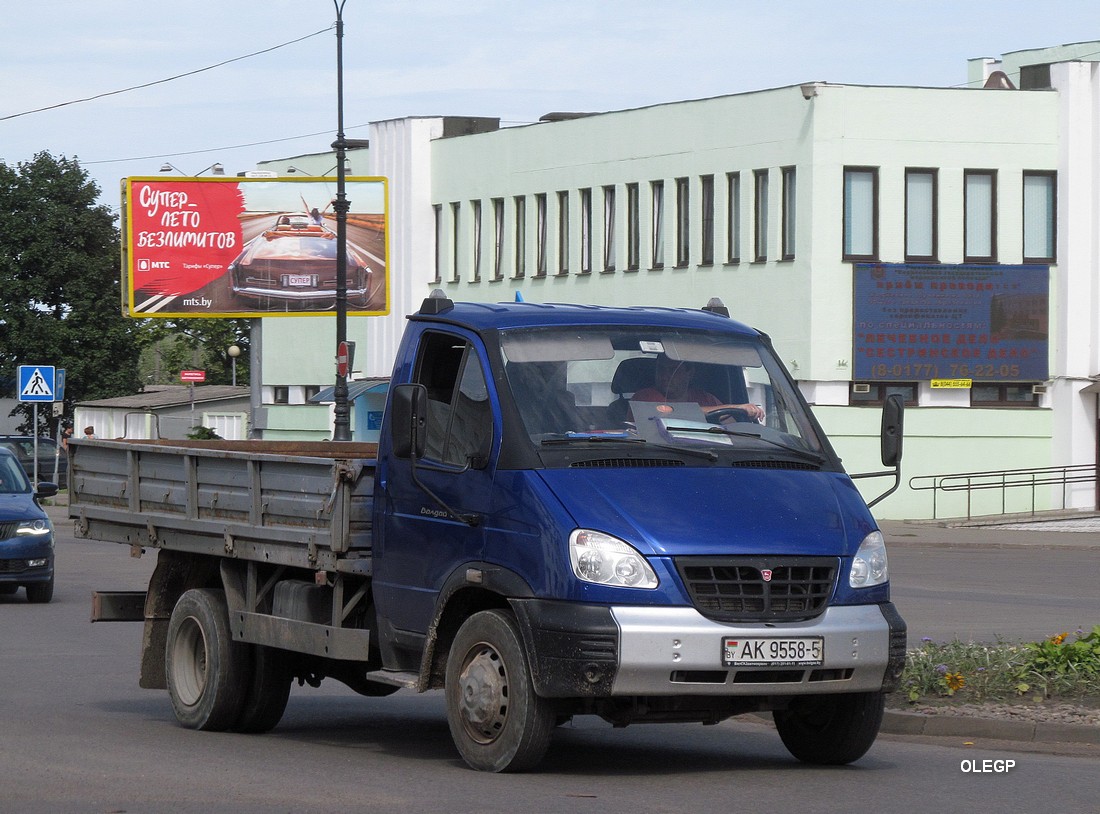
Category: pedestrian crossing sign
<point>36,382</point>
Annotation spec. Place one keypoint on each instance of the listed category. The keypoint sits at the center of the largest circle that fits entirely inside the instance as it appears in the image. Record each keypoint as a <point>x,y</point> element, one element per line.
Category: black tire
<point>39,593</point>
<point>268,692</point>
<point>206,671</point>
<point>497,721</point>
<point>831,730</point>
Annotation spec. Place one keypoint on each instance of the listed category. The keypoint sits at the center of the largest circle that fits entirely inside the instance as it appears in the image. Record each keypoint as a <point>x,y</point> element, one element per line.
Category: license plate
<point>299,280</point>
<point>750,651</point>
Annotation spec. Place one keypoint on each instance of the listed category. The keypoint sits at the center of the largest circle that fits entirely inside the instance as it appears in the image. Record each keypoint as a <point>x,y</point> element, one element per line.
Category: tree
<point>60,295</point>
<point>172,345</point>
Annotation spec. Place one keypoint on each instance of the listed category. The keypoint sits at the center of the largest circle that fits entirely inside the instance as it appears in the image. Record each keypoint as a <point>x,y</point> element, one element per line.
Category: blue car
<point>26,534</point>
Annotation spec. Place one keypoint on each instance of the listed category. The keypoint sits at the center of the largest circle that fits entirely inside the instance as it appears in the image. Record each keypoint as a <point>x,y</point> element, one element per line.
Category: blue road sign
<point>36,383</point>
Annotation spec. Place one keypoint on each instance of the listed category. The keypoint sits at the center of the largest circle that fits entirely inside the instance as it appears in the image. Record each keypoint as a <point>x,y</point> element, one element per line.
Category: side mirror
<point>46,489</point>
<point>893,414</point>
<point>409,408</point>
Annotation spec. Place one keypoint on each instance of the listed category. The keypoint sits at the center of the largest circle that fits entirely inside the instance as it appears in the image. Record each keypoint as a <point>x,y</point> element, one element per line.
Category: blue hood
<point>717,510</point>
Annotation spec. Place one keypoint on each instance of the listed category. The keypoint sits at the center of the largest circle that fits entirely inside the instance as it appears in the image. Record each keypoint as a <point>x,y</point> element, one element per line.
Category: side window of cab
<point>460,422</point>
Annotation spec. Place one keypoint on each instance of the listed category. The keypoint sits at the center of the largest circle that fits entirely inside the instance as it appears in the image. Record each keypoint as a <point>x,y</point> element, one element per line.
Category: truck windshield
<point>672,388</point>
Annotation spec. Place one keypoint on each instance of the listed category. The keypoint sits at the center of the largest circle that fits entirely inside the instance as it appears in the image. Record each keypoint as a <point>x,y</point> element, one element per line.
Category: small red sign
<point>192,375</point>
<point>342,359</point>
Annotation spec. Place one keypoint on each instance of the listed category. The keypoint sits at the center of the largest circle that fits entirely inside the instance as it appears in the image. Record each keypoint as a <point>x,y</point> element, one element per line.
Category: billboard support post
<point>341,426</point>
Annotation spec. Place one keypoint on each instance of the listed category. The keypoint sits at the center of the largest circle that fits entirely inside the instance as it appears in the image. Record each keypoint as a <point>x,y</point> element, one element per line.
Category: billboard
<point>251,247</point>
<point>918,322</point>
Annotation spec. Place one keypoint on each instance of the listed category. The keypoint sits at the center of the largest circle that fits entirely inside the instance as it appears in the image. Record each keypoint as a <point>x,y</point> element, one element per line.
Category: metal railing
<point>1005,479</point>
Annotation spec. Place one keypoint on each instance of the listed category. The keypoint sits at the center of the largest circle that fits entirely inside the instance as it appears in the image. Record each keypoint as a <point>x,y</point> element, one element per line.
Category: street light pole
<point>341,426</point>
<point>234,351</point>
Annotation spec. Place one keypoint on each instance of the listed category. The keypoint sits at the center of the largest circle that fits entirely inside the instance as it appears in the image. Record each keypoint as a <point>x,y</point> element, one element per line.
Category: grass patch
<point>1062,666</point>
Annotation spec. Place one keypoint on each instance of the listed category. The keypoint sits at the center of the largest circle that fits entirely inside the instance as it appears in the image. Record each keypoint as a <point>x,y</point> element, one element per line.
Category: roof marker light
<point>715,306</point>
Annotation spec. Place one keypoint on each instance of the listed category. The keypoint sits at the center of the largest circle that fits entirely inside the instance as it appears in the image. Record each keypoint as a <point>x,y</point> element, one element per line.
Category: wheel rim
<point>189,662</point>
<point>483,694</point>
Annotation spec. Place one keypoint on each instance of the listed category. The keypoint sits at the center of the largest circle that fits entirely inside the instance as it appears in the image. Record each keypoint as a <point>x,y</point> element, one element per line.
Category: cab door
<point>422,541</point>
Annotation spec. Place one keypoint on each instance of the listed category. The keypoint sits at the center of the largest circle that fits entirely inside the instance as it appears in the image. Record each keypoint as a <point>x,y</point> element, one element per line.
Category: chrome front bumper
<point>677,651</point>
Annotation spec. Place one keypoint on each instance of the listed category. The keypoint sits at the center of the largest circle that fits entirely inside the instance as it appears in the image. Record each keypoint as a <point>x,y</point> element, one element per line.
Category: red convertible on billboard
<point>295,261</point>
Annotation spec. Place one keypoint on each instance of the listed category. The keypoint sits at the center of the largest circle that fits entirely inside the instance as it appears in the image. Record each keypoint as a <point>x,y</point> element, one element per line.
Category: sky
<point>512,59</point>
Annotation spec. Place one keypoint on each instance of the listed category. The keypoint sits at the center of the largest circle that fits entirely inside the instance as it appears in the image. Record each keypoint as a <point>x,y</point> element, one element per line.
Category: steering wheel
<point>720,415</point>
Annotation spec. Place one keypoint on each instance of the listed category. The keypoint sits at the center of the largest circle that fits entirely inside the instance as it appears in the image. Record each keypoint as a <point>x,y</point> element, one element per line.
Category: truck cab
<point>661,546</point>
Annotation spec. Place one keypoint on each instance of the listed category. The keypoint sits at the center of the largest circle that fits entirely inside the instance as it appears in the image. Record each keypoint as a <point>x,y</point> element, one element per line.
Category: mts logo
<point>146,265</point>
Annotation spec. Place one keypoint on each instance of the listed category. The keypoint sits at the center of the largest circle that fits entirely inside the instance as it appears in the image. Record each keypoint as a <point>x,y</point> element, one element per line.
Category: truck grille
<point>753,589</point>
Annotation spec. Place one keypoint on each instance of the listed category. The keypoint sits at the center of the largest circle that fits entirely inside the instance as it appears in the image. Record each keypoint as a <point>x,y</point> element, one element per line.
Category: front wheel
<point>206,671</point>
<point>830,730</point>
<point>497,721</point>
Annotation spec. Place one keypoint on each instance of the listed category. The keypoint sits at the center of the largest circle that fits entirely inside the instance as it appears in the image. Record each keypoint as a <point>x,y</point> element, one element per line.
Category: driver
<point>673,383</point>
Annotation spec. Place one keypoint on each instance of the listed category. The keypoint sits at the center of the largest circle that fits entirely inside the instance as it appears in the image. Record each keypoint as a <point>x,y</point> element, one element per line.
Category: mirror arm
<point>895,472</point>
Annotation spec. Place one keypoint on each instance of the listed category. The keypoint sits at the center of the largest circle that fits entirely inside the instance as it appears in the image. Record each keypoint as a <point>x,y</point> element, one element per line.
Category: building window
<point>563,232</point>
<point>475,207</point>
<point>633,229</point>
<point>1003,395</point>
<point>706,192</point>
<point>980,216</point>
<point>498,238</point>
<point>920,215</point>
<point>521,236</point>
<point>683,223</point>
<point>609,228</point>
<point>437,214</point>
<point>733,217</point>
<point>860,213</point>
<point>280,394</point>
<point>1035,77</point>
<point>1039,217</point>
<point>658,224</point>
<point>540,235</point>
<point>760,214</point>
<point>586,231</point>
<point>456,209</point>
<point>873,394</point>
<point>311,390</point>
<point>789,207</point>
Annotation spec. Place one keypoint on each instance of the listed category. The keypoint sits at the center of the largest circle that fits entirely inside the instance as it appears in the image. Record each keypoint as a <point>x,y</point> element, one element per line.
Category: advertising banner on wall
<point>918,322</point>
<point>251,247</point>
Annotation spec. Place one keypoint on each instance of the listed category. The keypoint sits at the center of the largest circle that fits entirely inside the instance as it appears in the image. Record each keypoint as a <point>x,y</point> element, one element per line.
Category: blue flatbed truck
<point>541,532</point>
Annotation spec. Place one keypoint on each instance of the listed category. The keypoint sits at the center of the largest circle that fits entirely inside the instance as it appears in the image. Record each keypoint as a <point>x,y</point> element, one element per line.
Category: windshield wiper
<point>809,455</point>
<point>706,455</point>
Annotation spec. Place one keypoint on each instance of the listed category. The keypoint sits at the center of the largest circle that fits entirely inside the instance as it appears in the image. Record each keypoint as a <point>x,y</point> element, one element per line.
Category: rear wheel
<point>497,721</point>
<point>206,670</point>
<point>40,592</point>
<point>830,729</point>
<point>268,692</point>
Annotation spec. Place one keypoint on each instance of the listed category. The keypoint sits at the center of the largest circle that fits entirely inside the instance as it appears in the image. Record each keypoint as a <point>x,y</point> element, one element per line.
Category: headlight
<point>34,528</point>
<point>606,560</point>
<point>869,565</point>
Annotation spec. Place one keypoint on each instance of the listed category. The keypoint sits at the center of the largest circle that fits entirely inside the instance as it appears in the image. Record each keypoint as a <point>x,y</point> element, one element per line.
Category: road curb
<point>898,722</point>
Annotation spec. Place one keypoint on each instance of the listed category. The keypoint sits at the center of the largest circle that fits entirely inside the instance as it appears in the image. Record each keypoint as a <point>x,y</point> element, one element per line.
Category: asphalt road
<point>984,583</point>
<point>78,735</point>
